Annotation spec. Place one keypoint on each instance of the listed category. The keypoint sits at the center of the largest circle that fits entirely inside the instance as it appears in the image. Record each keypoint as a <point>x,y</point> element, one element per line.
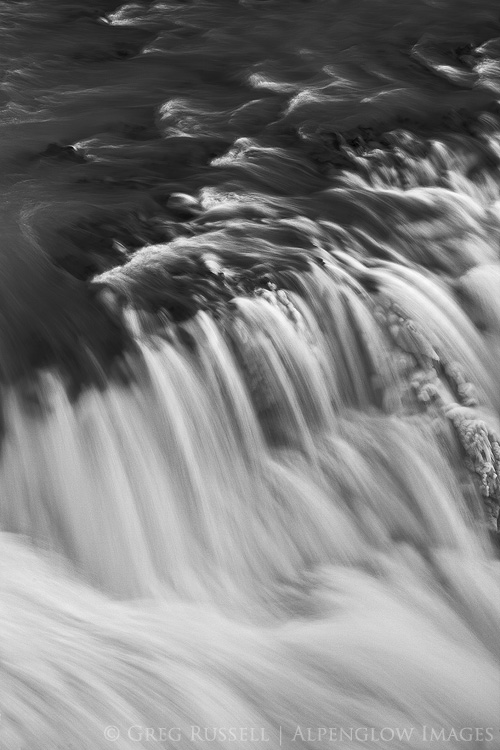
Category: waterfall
<point>249,339</point>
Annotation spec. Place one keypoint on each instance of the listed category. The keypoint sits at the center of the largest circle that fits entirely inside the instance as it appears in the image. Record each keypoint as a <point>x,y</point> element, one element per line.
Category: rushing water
<point>250,340</point>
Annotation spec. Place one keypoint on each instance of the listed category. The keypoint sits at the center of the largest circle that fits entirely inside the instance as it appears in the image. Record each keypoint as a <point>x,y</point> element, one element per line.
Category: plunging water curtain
<point>249,357</point>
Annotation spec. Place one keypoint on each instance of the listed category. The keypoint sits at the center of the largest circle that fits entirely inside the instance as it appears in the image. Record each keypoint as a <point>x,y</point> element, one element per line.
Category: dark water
<point>249,339</point>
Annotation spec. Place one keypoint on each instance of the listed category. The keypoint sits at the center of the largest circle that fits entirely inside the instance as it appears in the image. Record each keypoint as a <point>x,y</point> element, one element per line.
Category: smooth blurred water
<point>249,338</point>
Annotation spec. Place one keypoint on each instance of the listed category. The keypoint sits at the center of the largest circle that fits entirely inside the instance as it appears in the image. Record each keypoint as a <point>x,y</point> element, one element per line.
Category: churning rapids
<point>250,341</point>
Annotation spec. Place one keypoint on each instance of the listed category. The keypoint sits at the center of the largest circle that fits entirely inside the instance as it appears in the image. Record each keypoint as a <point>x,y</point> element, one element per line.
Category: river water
<point>250,338</point>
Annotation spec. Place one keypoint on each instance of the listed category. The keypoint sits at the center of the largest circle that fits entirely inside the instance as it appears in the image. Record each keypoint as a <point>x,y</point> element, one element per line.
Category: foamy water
<point>249,338</point>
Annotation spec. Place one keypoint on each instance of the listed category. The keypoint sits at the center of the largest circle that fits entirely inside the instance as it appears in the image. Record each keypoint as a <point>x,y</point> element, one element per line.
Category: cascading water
<point>250,335</point>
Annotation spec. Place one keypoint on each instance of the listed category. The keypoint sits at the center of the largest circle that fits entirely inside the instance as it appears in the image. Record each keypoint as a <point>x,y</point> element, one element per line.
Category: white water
<point>277,530</point>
